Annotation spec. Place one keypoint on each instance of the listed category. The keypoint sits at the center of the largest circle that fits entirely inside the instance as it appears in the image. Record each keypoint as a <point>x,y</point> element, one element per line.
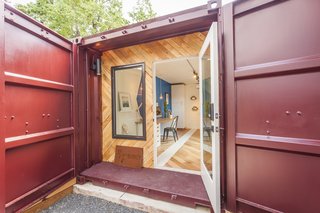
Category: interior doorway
<point>177,115</point>
<point>170,82</point>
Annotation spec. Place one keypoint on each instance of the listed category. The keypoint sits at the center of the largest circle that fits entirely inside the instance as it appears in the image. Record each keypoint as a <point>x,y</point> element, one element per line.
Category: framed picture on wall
<point>125,102</point>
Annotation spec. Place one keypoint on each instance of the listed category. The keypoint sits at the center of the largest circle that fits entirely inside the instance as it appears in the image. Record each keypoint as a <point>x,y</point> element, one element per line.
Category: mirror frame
<point>114,69</point>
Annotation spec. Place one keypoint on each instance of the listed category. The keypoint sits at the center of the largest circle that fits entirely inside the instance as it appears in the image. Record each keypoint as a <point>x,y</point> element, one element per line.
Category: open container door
<point>209,117</point>
<point>37,110</point>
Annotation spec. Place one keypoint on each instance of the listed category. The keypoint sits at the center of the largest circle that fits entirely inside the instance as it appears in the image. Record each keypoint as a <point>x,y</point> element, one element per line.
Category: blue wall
<point>165,88</point>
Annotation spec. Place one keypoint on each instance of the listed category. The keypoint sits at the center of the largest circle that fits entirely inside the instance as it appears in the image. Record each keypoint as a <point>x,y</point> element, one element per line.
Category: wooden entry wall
<point>175,47</point>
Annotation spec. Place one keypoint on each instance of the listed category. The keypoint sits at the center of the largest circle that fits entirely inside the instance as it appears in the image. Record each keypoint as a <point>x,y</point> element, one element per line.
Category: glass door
<point>209,119</point>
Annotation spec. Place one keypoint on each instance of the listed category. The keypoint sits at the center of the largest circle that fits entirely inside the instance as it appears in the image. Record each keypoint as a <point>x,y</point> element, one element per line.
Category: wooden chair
<point>173,129</point>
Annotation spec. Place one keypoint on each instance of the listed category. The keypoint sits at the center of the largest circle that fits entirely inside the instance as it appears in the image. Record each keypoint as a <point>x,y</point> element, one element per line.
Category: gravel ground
<point>76,203</point>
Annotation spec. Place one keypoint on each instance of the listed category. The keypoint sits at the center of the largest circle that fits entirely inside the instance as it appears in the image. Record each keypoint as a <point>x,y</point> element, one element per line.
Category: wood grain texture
<point>175,47</point>
<point>52,198</point>
<point>188,156</point>
<point>169,141</point>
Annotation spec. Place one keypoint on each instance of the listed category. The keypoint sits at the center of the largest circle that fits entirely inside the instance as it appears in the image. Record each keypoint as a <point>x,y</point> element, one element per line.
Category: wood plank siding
<point>175,47</point>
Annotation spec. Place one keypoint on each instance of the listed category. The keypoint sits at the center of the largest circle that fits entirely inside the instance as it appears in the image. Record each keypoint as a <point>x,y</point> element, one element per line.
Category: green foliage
<point>72,18</point>
<point>142,11</point>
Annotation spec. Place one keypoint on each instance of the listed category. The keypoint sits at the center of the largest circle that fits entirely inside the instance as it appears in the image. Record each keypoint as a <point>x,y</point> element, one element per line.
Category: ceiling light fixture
<point>161,96</point>
<point>195,74</point>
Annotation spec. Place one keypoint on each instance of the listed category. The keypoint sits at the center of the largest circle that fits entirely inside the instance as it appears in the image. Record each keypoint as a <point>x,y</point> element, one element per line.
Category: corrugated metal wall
<point>272,55</point>
<point>37,124</point>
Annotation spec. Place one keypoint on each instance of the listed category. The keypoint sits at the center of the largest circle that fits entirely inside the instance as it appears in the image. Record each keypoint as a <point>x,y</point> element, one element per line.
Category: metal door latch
<point>215,129</point>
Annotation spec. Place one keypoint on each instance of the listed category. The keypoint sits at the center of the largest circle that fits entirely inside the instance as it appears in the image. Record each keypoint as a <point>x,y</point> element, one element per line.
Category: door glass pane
<point>206,94</point>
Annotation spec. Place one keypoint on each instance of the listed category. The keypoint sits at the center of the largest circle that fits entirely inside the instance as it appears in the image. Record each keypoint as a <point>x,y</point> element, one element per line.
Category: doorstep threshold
<point>134,201</point>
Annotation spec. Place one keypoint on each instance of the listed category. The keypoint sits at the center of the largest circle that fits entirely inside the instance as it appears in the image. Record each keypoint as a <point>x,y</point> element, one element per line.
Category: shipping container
<point>60,116</point>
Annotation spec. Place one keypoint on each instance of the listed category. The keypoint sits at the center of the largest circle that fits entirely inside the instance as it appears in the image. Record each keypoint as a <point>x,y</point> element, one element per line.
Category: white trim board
<point>171,151</point>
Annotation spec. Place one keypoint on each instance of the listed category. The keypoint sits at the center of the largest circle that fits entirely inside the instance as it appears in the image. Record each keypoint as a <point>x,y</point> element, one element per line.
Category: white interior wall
<point>192,118</point>
<point>178,103</point>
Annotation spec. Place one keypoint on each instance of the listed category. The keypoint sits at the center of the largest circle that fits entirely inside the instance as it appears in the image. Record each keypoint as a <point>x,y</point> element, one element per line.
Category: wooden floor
<point>188,156</point>
<point>168,142</point>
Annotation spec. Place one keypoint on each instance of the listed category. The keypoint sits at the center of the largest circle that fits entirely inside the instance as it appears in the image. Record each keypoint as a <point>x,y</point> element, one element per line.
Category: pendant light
<point>161,97</point>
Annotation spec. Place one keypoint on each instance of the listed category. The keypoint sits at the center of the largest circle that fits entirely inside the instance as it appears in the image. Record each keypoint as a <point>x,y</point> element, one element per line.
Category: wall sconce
<point>96,65</point>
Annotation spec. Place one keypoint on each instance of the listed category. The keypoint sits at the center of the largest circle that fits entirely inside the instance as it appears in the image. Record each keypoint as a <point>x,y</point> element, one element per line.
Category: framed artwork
<point>125,102</point>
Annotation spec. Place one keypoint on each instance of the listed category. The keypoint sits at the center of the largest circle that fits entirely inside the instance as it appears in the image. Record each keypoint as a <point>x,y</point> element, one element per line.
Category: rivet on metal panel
<point>27,131</point>
<point>48,115</point>
<point>27,123</point>
<point>103,37</point>
<point>43,115</point>
<point>171,20</point>
<point>124,31</point>
<point>58,126</point>
<point>144,26</point>
<point>299,112</point>
<point>146,191</point>
<point>268,132</point>
<point>126,187</point>
<point>267,121</point>
<point>174,197</point>
<point>5,117</point>
<point>12,117</point>
<point>288,112</point>
<point>11,13</point>
<point>58,120</point>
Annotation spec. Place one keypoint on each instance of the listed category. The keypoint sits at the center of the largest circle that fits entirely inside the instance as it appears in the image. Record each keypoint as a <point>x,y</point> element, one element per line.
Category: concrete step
<point>134,201</point>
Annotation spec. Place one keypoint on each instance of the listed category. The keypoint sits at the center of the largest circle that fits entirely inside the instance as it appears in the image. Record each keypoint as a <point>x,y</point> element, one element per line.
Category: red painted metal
<point>37,99</point>
<point>192,20</point>
<point>2,138</point>
<point>26,173</point>
<point>153,183</point>
<point>41,116</point>
<point>81,157</point>
<point>51,112</point>
<point>272,71</point>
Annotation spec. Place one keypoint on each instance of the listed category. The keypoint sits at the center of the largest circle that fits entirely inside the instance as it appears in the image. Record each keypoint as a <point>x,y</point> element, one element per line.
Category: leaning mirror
<point>128,102</point>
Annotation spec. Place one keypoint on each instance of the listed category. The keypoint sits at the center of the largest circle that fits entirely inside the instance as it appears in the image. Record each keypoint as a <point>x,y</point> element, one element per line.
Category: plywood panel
<point>180,46</point>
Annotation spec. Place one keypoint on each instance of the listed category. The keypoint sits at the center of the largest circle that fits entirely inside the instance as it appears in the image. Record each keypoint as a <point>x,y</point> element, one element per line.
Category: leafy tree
<point>72,18</point>
<point>142,11</point>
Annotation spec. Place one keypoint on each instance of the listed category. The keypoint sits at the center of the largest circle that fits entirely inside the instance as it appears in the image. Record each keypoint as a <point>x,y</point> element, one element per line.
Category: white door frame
<point>212,185</point>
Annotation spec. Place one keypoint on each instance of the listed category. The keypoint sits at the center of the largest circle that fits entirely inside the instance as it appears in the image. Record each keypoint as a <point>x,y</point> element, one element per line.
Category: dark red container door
<point>272,54</point>
<point>37,127</point>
